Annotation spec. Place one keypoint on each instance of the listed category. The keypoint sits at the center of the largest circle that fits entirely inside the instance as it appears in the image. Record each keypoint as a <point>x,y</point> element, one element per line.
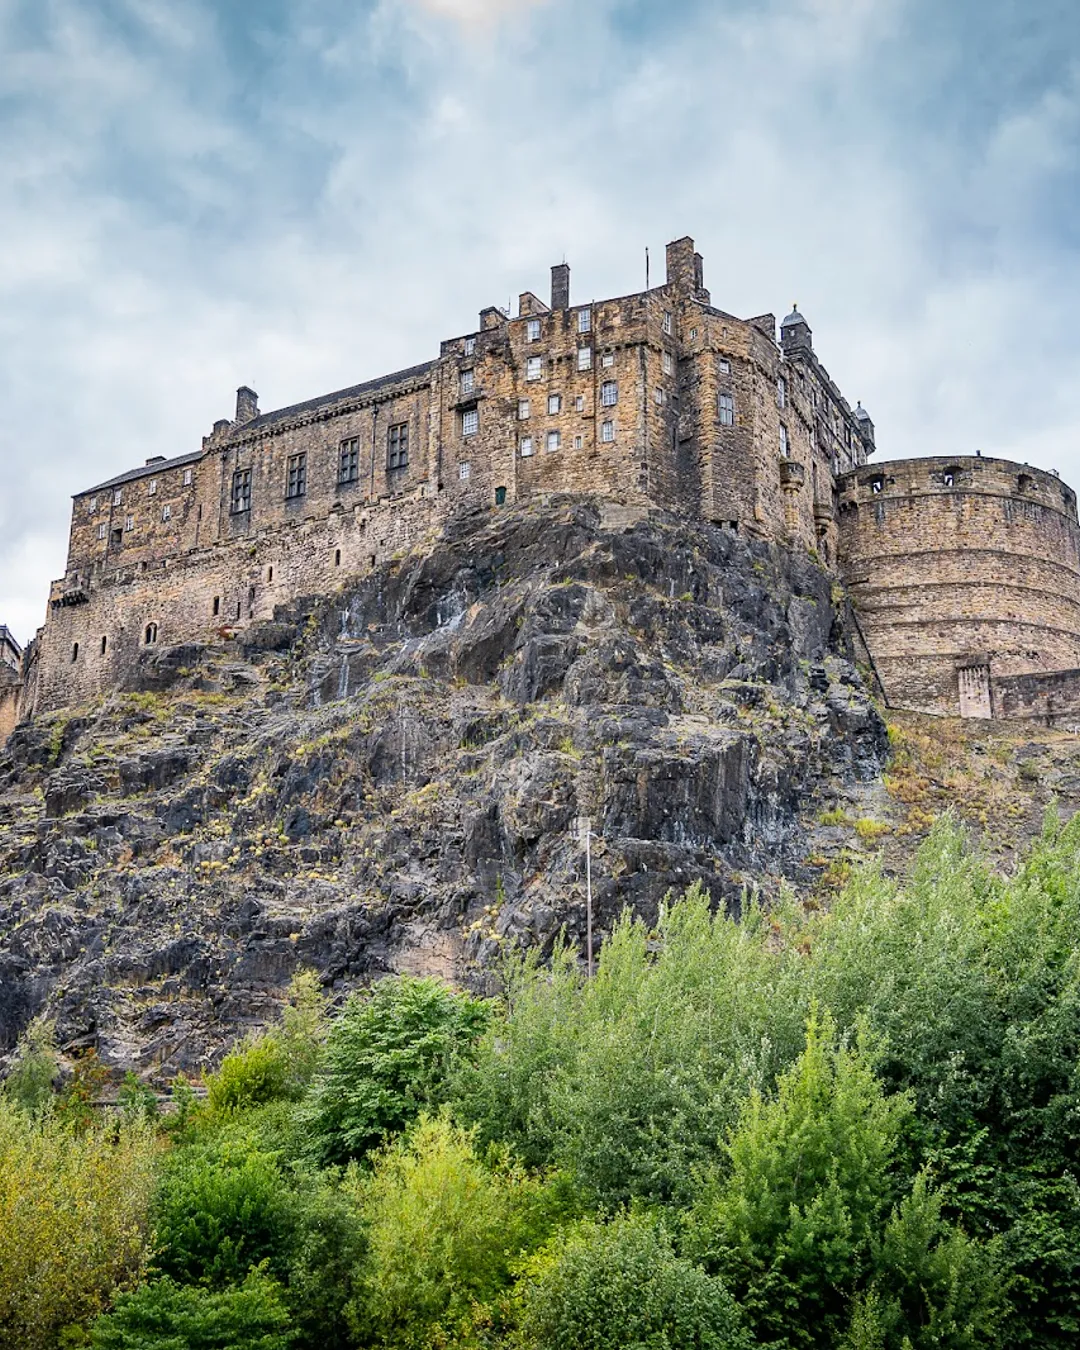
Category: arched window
<point>500,496</point>
<point>150,636</point>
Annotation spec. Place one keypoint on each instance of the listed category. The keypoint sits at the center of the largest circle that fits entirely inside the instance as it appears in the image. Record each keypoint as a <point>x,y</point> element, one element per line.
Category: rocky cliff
<point>387,778</point>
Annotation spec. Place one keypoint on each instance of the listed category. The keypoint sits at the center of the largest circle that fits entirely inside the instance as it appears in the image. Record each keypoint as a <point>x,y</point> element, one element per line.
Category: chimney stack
<point>560,286</point>
<point>247,405</point>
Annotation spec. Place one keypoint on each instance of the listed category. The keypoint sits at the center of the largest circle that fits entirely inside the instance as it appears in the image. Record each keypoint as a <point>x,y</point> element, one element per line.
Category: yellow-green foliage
<point>73,1221</point>
<point>870,829</point>
<point>836,815</point>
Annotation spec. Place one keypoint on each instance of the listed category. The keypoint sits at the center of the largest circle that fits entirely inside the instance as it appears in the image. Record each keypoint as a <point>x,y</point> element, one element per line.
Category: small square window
<point>92,504</point>
<point>467,381</point>
<point>668,362</point>
<point>726,409</point>
<point>609,393</point>
<point>526,446</point>
<point>129,523</point>
<point>554,440</point>
<point>608,359</point>
<point>470,422</point>
<point>534,368</point>
<point>189,477</point>
<point>584,358</point>
<point>607,431</point>
<point>151,487</point>
<point>693,334</point>
<point>533,329</point>
<point>554,404</point>
<point>470,346</point>
<point>166,512</point>
<point>397,446</point>
<point>523,410</point>
<point>464,470</point>
<point>117,497</point>
<point>579,403</point>
<point>584,320</point>
<point>724,366</point>
<point>296,476</point>
<point>101,530</point>
<point>669,321</point>
<point>579,441</point>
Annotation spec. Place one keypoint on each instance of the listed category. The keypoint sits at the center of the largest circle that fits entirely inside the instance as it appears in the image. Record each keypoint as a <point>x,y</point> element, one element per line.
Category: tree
<point>164,1315</point>
<point>29,1082</point>
<point>619,1286</point>
<point>387,1056</point>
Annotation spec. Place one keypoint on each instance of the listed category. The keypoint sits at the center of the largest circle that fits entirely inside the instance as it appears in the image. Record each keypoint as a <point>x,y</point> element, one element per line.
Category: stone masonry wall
<point>960,562</point>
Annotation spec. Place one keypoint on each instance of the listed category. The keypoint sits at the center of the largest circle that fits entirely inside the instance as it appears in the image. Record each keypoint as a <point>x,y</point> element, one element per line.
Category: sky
<point>198,194</point>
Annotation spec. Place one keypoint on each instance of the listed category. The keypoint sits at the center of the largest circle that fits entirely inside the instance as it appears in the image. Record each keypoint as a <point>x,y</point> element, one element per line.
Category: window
<point>129,523</point>
<point>240,499</point>
<point>526,446</point>
<point>693,334</point>
<point>74,652</point>
<point>470,422</point>
<point>947,478</point>
<point>349,460</point>
<point>467,381</point>
<point>609,393</point>
<point>166,512</point>
<point>470,346</point>
<point>579,441</point>
<point>397,446</point>
<point>150,635</point>
<point>669,321</point>
<point>724,366</point>
<point>523,409</point>
<point>553,440</point>
<point>463,471</point>
<point>781,392</point>
<point>669,363</point>
<point>534,368</point>
<point>296,476</point>
<point>579,403</point>
<point>584,320</point>
<point>188,477</point>
<point>500,496</point>
<point>584,358</point>
<point>658,395</point>
<point>104,645</point>
<point>101,530</point>
<point>877,484</point>
<point>93,504</point>
<point>783,441</point>
<point>117,537</point>
<point>554,404</point>
<point>607,431</point>
<point>151,487</point>
<point>534,330</point>
<point>117,497</point>
<point>726,409</point>
<point>270,573</point>
<point>608,359</point>
<point>217,604</point>
<point>337,557</point>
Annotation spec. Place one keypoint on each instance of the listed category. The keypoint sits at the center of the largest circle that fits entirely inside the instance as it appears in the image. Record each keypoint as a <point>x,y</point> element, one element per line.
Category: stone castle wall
<point>961,564</point>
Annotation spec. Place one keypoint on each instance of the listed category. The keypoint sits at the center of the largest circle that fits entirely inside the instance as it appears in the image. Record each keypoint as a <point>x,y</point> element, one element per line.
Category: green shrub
<point>255,1073</point>
<point>223,1207</point>
<point>73,1221</point>
<point>620,1285</point>
<point>29,1083</point>
<point>168,1316</point>
<point>386,1057</point>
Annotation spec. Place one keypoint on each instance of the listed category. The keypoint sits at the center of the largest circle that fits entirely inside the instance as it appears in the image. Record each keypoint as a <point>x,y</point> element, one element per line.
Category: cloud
<point>320,193</point>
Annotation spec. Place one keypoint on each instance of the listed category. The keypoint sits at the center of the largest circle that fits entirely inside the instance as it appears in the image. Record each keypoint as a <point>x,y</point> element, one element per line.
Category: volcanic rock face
<point>387,779</point>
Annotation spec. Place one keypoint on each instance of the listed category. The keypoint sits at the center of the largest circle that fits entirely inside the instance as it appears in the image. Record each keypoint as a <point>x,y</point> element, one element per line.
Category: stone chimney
<point>686,269</point>
<point>560,286</point>
<point>247,405</point>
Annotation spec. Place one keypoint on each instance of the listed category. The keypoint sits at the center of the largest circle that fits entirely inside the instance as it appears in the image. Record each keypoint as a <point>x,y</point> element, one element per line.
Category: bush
<point>621,1285</point>
<point>251,1075</point>
<point>223,1207</point>
<point>443,1231</point>
<point>29,1083</point>
<point>387,1056</point>
<point>168,1316</point>
<point>73,1221</point>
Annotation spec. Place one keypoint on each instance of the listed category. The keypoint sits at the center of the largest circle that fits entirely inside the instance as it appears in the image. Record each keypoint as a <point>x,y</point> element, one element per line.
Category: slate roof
<point>146,471</point>
<point>355,391</point>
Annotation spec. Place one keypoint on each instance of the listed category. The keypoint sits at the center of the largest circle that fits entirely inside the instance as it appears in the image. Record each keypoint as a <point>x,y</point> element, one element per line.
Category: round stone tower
<point>961,570</point>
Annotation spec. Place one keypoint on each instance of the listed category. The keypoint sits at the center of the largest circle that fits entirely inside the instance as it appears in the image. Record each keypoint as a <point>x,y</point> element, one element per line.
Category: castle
<point>964,572</point>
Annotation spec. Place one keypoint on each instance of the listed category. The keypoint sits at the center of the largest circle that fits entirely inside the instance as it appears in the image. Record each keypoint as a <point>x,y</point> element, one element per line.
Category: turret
<point>795,332</point>
<point>866,428</point>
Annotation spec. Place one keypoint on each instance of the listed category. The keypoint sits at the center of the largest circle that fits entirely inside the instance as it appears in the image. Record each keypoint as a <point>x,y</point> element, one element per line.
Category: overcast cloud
<point>197,194</point>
